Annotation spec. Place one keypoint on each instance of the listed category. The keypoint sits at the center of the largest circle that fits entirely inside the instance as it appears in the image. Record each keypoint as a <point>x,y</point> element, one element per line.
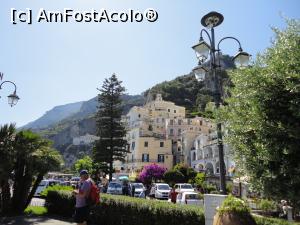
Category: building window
<point>174,111</point>
<point>132,158</point>
<point>194,156</point>
<point>161,144</point>
<point>163,120</point>
<point>179,122</point>
<point>179,131</point>
<point>200,122</point>
<point>133,145</point>
<point>160,158</point>
<point>146,144</point>
<point>169,110</point>
<point>139,115</point>
<point>157,120</point>
<point>171,122</point>
<point>171,131</point>
<point>145,158</point>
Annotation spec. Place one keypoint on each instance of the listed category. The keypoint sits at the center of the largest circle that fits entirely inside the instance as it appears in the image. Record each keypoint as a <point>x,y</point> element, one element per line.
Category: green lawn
<point>36,210</point>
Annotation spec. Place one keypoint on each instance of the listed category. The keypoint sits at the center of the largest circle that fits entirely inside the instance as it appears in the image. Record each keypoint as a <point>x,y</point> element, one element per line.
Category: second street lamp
<point>203,51</point>
<point>12,98</point>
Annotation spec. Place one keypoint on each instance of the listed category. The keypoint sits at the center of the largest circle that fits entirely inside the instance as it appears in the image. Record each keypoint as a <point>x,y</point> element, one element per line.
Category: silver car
<point>114,188</point>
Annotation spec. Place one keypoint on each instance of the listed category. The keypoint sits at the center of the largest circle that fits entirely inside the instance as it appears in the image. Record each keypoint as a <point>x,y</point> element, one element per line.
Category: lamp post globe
<point>202,50</point>
<point>241,59</point>
<point>212,19</point>
<point>13,99</point>
<point>200,72</point>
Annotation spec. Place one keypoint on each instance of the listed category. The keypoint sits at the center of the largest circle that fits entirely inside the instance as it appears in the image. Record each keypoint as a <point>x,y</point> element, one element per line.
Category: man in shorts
<point>82,208</point>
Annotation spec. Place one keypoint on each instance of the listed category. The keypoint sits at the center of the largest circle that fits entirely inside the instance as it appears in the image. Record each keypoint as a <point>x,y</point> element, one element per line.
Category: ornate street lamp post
<point>12,98</point>
<point>207,51</point>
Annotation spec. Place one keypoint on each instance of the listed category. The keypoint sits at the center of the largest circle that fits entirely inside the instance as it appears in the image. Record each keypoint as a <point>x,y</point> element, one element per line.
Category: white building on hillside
<point>85,139</point>
<point>205,155</point>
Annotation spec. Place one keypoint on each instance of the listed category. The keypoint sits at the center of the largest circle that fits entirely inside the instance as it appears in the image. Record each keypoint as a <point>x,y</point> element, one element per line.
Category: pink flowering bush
<point>152,172</point>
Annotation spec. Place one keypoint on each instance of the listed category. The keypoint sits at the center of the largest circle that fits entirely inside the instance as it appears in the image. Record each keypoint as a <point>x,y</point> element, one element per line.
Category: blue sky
<point>54,64</point>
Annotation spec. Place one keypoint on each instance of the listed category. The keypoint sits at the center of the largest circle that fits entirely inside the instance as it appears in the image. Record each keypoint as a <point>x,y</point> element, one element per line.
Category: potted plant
<point>233,211</point>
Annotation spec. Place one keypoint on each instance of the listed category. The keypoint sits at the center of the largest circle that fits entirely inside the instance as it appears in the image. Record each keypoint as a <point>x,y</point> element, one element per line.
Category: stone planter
<point>233,219</point>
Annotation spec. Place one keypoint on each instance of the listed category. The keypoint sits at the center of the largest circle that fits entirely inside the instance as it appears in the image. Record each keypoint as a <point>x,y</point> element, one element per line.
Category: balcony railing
<point>143,161</point>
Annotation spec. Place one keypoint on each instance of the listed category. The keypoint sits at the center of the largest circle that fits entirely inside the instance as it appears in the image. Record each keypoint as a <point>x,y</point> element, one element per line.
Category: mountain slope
<point>58,113</point>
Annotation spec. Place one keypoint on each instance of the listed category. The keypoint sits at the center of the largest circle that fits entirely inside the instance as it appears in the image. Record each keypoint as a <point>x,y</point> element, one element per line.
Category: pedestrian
<point>284,209</point>
<point>82,210</point>
<point>104,183</point>
<point>132,190</point>
<point>173,195</point>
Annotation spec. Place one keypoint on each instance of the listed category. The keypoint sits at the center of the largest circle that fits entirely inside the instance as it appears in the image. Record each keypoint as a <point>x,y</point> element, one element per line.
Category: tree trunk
<point>110,170</point>
<point>5,197</point>
<point>35,186</point>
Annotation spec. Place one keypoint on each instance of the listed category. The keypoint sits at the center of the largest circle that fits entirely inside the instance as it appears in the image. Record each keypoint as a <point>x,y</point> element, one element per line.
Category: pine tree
<point>112,144</point>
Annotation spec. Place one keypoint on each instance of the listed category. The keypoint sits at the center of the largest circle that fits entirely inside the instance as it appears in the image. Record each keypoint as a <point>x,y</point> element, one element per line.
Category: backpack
<point>94,195</point>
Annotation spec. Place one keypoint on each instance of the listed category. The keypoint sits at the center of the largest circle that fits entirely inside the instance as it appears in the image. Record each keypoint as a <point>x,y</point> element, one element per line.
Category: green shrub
<point>229,187</point>
<point>199,179</point>
<point>55,188</point>
<point>236,205</point>
<point>60,202</point>
<point>173,176</point>
<point>267,205</point>
<point>36,210</point>
<point>126,210</point>
<point>209,188</point>
<point>272,221</point>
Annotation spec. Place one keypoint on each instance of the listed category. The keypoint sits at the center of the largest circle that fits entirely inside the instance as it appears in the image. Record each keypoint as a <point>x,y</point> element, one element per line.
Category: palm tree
<point>25,157</point>
<point>45,159</point>
<point>7,134</point>
<point>34,158</point>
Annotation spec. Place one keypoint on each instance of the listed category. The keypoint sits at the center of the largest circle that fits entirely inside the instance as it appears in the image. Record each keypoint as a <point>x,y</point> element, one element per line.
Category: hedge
<point>260,220</point>
<point>60,202</point>
<point>124,210</point>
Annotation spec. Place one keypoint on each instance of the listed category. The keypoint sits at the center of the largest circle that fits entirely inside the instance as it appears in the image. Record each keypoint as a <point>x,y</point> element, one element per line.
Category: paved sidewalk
<point>23,220</point>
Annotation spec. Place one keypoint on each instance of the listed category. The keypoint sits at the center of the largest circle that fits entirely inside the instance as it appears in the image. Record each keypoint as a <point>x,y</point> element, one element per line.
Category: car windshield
<point>114,185</point>
<point>192,196</point>
<point>43,183</point>
<point>186,186</point>
<point>138,186</point>
<point>51,183</point>
<point>163,187</point>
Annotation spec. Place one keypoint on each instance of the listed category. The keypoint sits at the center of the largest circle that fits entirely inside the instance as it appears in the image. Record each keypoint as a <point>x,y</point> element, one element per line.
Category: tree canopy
<point>112,145</point>
<point>25,159</point>
<point>263,117</point>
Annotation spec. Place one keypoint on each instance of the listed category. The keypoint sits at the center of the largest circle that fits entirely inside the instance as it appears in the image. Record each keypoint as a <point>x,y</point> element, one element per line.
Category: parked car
<point>189,198</point>
<point>183,187</point>
<point>160,191</point>
<point>74,181</point>
<point>114,188</point>
<point>44,184</point>
<point>139,190</point>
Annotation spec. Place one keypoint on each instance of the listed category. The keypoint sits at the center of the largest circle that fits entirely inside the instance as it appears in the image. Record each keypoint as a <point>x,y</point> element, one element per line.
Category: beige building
<point>158,132</point>
<point>147,134</point>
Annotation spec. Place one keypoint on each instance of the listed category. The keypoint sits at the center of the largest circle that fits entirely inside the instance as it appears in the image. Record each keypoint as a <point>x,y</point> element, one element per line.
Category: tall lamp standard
<point>205,51</point>
<point>12,98</point>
